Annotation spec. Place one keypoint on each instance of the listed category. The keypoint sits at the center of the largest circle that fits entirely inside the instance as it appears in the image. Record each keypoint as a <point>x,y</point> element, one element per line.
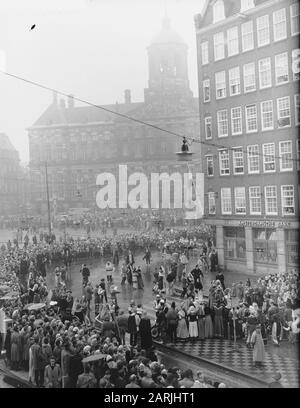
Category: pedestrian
<point>276,383</point>
<point>145,332</point>
<point>258,347</point>
<point>132,328</point>
<point>85,272</point>
<point>171,317</point>
<point>52,374</point>
<point>182,332</point>
<point>193,327</point>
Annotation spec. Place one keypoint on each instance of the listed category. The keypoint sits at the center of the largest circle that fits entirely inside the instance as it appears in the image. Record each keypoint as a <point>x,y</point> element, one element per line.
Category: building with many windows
<point>80,142</point>
<point>248,71</point>
<point>13,180</point>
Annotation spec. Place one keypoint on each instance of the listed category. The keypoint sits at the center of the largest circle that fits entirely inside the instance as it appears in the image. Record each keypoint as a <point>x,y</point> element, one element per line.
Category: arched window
<point>247,4</point>
<point>219,13</point>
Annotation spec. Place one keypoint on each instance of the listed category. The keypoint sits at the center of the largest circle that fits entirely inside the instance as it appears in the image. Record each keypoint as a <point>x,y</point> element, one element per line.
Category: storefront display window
<point>265,245</point>
<point>234,243</point>
<point>292,247</point>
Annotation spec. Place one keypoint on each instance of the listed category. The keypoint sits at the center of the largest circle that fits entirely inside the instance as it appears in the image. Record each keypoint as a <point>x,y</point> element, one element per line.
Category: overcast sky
<point>94,49</point>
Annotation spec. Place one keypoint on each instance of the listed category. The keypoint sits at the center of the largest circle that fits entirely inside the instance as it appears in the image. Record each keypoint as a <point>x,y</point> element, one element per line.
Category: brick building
<point>249,106</point>
<point>12,179</point>
<point>78,143</point>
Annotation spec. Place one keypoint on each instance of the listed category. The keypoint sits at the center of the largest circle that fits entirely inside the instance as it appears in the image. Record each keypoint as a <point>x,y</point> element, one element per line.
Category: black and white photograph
<point>149,197</point>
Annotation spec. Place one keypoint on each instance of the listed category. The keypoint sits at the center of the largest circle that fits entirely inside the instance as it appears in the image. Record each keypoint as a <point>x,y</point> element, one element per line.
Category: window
<point>297,111</point>
<point>208,130</point>
<point>219,46</point>
<point>240,200</point>
<point>222,123</point>
<point>220,84</point>
<point>283,112</point>
<point>204,53</point>
<point>269,157</point>
<point>246,5</point>
<point>298,153</point>
<point>263,30</point>
<point>251,118</point>
<point>281,68</point>
<point>206,90</point>
<point>287,200</point>
<point>266,115</point>
<point>211,203</point>
<point>247,36</point>
<point>286,155</point>
<point>296,64</point>
<point>218,11</point>
<point>265,74</point>
<point>234,243</point>
<point>226,201</point>
<point>232,41</point>
<point>255,200</point>
<point>236,121</point>
<point>253,159</point>
<point>224,162</point>
<point>238,160</point>
<point>265,245</point>
<point>249,77</point>
<point>292,247</point>
<point>234,81</point>
<point>279,24</point>
<point>271,200</point>
<point>295,20</point>
<point>210,165</point>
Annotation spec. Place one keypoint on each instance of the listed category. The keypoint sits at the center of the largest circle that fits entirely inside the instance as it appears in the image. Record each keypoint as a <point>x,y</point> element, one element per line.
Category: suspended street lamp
<point>184,154</point>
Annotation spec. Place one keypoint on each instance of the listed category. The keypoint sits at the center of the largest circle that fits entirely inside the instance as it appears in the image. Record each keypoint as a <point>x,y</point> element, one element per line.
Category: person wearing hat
<point>258,347</point>
<point>87,378</point>
<point>276,383</point>
<point>52,374</point>
<point>132,382</point>
<point>193,327</point>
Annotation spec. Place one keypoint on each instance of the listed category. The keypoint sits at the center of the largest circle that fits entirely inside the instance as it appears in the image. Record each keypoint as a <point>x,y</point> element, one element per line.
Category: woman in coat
<point>15,349</point>
<point>135,279</point>
<point>182,330</point>
<point>219,324</point>
<point>145,332</point>
<point>258,347</point>
<point>193,327</point>
<point>201,321</point>
<point>208,325</point>
<point>140,282</point>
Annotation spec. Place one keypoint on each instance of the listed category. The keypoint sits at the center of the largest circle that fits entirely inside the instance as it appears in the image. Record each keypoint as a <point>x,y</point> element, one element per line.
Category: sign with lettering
<point>265,224</point>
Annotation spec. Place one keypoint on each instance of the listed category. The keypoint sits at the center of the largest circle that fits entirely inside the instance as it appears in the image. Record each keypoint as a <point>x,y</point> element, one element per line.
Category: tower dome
<point>167,35</point>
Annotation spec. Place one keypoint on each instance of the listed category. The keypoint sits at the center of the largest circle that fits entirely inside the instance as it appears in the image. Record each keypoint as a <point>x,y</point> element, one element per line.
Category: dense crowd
<point>57,340</point>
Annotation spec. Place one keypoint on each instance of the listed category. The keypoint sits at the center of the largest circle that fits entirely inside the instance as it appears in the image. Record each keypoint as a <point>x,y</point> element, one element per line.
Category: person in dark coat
<point>197,275</point>
<point>221,278</point>
<point>145,332</point>
<point>132,328</point>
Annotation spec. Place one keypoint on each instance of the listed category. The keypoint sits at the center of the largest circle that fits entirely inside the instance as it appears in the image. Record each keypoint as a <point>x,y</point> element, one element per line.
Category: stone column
<point>220,244</point>
<point>249,250</point>
<point>281,251</point>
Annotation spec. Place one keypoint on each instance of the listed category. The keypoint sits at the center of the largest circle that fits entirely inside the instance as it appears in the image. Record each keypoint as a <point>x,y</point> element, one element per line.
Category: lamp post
<point>48,199</point>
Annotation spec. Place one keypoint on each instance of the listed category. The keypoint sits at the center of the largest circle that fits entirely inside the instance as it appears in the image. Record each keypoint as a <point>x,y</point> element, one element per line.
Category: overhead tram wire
<point>123,115</point>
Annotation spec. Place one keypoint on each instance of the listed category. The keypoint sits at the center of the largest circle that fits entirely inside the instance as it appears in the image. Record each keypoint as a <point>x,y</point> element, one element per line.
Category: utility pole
<point>48,199</point>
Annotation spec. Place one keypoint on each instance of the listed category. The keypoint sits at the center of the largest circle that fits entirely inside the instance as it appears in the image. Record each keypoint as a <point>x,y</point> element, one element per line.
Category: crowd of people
<point>56,339</point>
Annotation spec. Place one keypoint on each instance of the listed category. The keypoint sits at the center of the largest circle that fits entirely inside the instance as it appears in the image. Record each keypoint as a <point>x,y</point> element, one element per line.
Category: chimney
<point>54,98</point>
<point>62,103</point>
<point>70,101</point>
<point>127,96</point>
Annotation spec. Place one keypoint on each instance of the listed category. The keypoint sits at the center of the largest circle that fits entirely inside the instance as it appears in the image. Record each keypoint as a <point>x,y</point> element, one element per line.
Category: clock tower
<point>168,70</point>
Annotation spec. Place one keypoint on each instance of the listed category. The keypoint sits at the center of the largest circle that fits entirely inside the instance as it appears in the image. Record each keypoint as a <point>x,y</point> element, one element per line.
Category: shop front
<point>257,246</point>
